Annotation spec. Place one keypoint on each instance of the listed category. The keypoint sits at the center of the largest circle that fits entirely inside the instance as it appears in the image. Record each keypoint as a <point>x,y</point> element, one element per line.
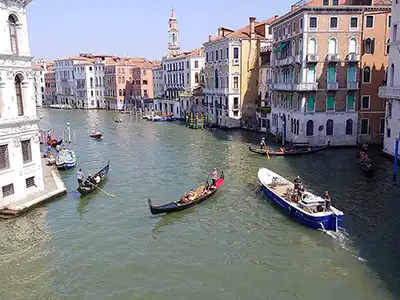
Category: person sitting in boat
<point>282,149</point>
<point>88,181</point>
<point>297,183</point>
<point>184,198</point>
<point>97,179</point>
<point>327,199</point>
<point>214,176</point>
<point>263,144</point>
<point>191,196</point>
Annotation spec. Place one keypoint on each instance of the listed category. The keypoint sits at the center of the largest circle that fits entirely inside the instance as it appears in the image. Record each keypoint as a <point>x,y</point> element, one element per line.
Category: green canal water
<point>236,245</point>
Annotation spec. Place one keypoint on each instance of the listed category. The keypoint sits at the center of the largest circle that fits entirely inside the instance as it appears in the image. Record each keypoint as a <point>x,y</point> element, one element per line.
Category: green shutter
<point>350,102</point>
<point>331,103</point>
<point>299,99</point>
<point>351,74</point>
<point>331,74</point>
<point>310,103</point>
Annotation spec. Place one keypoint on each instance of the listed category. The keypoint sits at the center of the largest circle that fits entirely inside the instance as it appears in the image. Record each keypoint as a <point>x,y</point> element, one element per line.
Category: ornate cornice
<point>18,124</point>
<point>15,57</point>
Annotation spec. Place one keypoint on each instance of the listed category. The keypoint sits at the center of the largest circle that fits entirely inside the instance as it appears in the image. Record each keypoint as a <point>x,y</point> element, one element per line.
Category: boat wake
<point>343,239</point>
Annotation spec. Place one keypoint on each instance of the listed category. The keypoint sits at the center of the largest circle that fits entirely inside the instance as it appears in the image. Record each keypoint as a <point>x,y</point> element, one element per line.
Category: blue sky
<point>59,28</point>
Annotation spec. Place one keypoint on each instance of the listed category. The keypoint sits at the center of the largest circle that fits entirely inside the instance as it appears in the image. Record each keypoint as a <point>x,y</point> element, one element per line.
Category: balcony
<point>332,58</point>
<point>283,86</point>
<point>332,86</point>
<point>312,58</point>
<point>390,92</point>
<point>353,57</point>
<point>352,85</point>
<point>306,86</point>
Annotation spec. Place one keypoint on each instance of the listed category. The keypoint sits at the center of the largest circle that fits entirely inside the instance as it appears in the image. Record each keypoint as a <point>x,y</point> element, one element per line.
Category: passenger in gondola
<point>327,199</point>
<point>89,180</point>
<point>364,147</point>
<point>214,176</point>
<point>263,144</point>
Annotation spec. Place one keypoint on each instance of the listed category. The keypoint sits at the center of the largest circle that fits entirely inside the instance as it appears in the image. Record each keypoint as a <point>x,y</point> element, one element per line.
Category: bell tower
<point>173,32</point>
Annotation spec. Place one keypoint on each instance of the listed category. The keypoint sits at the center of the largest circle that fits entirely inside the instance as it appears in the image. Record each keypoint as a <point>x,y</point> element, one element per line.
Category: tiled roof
<point>72,58</point>
<point>195,52</point>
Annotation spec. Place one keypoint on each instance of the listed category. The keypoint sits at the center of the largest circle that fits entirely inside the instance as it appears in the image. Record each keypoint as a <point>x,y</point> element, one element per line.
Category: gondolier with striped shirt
<point>80,176</point>
<point>214,176</point>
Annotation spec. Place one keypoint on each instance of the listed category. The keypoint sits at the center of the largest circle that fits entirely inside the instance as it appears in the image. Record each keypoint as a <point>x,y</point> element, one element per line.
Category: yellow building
<point>231,73</point>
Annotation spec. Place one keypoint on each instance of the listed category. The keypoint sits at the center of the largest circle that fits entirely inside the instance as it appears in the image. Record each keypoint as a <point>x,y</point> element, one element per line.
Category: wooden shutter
<point>4,157</point>
<point>26,151</point>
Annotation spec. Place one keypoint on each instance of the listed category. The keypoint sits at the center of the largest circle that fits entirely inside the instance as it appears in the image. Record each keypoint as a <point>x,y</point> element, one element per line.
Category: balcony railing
<point>353,57</point>
<point>306,86</point>
<point>389,92</point>
<point>312,58</point>
<point>332,86</point>
<point>333,58</point>
<point>283,86</point>
<point>352,85</point>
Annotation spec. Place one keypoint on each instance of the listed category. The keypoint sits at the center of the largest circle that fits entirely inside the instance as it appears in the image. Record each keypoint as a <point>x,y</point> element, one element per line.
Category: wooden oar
<point>109,194</point>
<point>266,151</point>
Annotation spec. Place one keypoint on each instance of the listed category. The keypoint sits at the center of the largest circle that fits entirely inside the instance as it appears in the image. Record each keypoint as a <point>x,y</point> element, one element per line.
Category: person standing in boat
<point>297,183</point>
<point>327,199</point>
<point>80,176</point>
<point>263,144</point>
<point>214,176</point>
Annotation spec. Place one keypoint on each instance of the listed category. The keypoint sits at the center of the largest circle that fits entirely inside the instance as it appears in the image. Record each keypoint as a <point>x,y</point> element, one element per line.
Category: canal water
<point>235,245</point>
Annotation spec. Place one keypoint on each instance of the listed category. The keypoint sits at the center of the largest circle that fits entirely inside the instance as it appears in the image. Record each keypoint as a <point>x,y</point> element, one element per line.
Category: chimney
<point>220,31</point>
<point>252,32</point>
<point>210,38</point>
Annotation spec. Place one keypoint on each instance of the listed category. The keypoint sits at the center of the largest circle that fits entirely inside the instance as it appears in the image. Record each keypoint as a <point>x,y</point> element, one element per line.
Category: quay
<point>53,188</point>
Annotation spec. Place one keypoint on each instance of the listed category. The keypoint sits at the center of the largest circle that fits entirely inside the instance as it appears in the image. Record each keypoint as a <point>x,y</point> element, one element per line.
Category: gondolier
<point>263,144</point>
<point>214,177</point>
<point>80,176</point>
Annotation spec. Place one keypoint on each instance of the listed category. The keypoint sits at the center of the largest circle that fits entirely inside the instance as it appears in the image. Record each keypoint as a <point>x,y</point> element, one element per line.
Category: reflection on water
<point>235,245</point>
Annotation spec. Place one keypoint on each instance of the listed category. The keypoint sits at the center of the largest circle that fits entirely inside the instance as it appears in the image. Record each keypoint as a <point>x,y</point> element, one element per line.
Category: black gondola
<point>89,188</point>
<point>295,151</point>
<point>180,205</point>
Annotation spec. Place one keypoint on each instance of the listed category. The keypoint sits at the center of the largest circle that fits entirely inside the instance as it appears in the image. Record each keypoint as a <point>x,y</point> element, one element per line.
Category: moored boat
<point>87,188</point>
<point>201,193</point>
<point>292,151</point>
<point>311,210</point>
<point>66,160</point>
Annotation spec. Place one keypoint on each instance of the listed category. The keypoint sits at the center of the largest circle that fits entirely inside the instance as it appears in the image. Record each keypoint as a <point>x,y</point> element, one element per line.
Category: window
<point>310,103</point>
<point>235,53</point>
<point>216,54</point>
<point>369,45</point>
<point>329,127</point>
<point>365,102</point>
<point>26,151</point>
<point>196,77</point>
<point>351,74</point>
<point>335,2</point>
<point>382,126</point>
<point>4,157</point>
<point>332,46</point>
<point>389,110</point>
<point>388,132</point>
<point>353,22</point>
<point>18,94</point>
<point>352,45</point>
<point>144,82</point>
<point>235,82</point>
<point>369,23</point>
<point>30,182</point>
<point>196,63</point>
<point>216,81</point>
<point>331,74</point>
<point>301,24</point>
<point>367,75</point>
<point>310,128</point>
<point>333,24</point>
<point>325,2</point>
<point>389,21</point>
<point>330,105</point>
<point>313,23</point>
<point>394,33</point>
<point>8,190</point>
<point>350,102</point>
<point>349,127</point>
<point>364,126</point>
<point>227,51</point>
<point>12,24</point>
<point>311,74</point>
<point>312,46</point>
<point>387,46</point>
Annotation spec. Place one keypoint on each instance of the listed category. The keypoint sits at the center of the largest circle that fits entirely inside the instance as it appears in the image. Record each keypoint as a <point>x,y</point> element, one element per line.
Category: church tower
<point>173,32</point>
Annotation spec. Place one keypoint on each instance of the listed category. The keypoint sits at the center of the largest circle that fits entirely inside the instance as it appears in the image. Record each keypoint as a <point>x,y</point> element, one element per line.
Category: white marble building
<point>20,163</point>
<point>99,83</point>
<point>39,68</point>
<point>391,92</point>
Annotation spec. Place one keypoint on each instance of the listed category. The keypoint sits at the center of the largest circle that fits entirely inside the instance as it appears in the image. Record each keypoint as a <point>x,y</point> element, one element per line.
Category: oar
<point>109,194</point>
<point>266,151</point>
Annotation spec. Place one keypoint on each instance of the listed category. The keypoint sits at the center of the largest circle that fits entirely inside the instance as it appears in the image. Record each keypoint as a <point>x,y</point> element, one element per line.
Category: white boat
<point>310,211</point>
<point>66,160</point>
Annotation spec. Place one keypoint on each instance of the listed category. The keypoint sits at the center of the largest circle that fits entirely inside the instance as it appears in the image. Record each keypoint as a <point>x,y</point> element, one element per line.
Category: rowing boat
<point>89,188</point>
<point>294,151</point>
<point>202,193</point>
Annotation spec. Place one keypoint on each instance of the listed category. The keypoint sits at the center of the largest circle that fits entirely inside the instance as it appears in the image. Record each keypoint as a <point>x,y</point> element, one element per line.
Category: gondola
<point>295,151</point>
<point>96,135</point>
<point>179,205</point>
<point>87,189</point>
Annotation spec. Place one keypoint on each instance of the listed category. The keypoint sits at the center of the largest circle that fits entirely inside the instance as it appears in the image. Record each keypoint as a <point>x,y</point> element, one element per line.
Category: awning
<point>280,47</point>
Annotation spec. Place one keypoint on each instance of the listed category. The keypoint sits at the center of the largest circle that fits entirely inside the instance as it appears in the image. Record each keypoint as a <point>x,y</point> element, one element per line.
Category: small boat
<point>166,118</point>
<point>102,174</point>
<point>201,194</point>
<point>66,160</point>
<point>118,120</point>
<point>310,211</point>
<point>96,135</point>
<point>293,151</point>
<point>54,142</point>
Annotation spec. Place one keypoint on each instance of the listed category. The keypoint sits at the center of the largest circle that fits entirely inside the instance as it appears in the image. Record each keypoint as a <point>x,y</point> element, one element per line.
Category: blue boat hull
<point>323,223</point>
<point>169,119</point>
<point>66,167</point>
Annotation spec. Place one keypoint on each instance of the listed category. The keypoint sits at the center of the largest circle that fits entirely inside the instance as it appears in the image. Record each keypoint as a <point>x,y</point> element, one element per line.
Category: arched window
<point>329,127</point>
<point>18,94</point>
<point>291,125</point>
<point>97,81</point>
<point>312,46</point>
<point>310,128</point>
<point>332,46</point>
<point>216,78</point>
<point>91,81</point>
<point>387,46</point>
<point>369,46</point>
<point>367,74</point>
<point>293,48</point>
<point>119,79</point>
<point>12,23</point>
<point>301,48</point>
<point>196,77</point>
<point>353,45</point>
<point>391,74</point>
<point>297,127</point>
<point>349,127</point>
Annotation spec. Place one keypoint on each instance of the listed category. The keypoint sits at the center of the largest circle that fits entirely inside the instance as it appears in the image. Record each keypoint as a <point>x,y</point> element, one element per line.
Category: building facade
<point>391,89</point>
<point>39,69</point>
<point>20,159</point>
<point>50,88</point>
<point>322,51</point>
<point>264,87</point>
<point>158,83</point>
<point>231,73</point>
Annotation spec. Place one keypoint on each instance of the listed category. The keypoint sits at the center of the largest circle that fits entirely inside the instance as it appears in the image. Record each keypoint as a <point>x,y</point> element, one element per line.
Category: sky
<point>135,28</point>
